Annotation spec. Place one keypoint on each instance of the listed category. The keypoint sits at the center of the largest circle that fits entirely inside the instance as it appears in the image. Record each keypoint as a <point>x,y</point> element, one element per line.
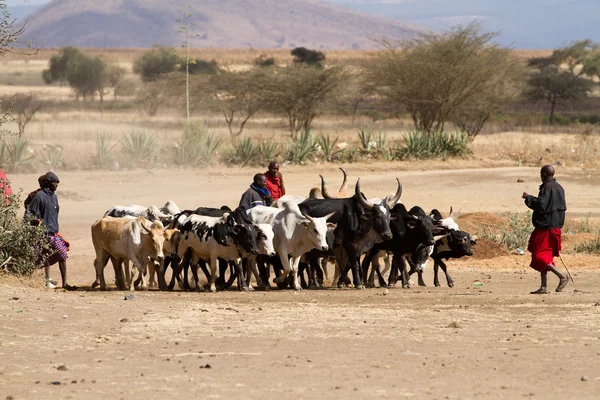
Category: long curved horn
<point>344,186</point>
<point>451,215</point>
<point>394,200</point>
<point>324,191</point>
<point>308,217</point>
<point>360,198</point>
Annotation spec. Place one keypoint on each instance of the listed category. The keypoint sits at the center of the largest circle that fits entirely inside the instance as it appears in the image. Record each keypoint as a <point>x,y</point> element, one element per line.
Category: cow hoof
<point>405,286</point>
<point>370,285</point>
<point>450,284</point>
<point>341,286</point>
<point>360,287</point>
<point>391,285</point>
<point>313,286</point>
<point>95,284</point>
<point>298,287</point>
<point>250,288</point>
<point>422,284</point>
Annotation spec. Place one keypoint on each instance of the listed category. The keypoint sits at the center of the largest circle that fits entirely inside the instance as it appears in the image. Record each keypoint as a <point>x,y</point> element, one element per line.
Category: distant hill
<point>220,23</point>
<point>523,24</point>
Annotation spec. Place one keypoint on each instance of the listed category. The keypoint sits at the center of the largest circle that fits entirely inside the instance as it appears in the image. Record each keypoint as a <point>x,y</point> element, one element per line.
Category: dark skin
<point>274,172</point>
<point>547,172</point>
<point>261,181</point>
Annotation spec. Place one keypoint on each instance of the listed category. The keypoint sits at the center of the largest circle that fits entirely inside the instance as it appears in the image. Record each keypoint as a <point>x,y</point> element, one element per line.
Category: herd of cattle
<point>296,236</point>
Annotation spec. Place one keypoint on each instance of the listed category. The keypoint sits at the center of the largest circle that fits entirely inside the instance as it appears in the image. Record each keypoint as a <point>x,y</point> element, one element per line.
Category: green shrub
<point>330,153</point>
<point>365,135</point>
<point>20,243</point>
<point>422,145</point>
<point>515,234</point>
<point>592,247</point>
<point>196,147</point>
<point>104,150</point>
<point>139,148</point>
<point>302,150</point>
<point>268,150</point>
<point>16,154</point>
<point>243,152</point>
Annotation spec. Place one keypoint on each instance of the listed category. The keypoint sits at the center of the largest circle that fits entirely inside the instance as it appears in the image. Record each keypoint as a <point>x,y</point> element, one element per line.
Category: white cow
<point>121,239</point>
<point>295,235</point>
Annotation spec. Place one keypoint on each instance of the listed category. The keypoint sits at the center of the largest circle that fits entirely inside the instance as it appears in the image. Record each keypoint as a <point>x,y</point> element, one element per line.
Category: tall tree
<point>553,85</point>
<point>185,27</point>
<point>435,74</point>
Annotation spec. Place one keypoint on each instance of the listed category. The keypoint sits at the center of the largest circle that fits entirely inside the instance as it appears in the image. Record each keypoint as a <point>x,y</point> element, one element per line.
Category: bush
<point>139,148</point>
<point>268,150</point>
<point>307,56</point>
<point>53,156</point>
<point>104,150</point>
<point>263,61</point>
<point>16,154</point>
<point>153,63</point>
<point>421,145</point>
<point>196,147</point>
<point>302,150</point>
<point>592,247</point>
<point>515,235</point>
<point>330,153</point>
<point>197,67</point>
<point>243,152</point>
<point>20,244</point>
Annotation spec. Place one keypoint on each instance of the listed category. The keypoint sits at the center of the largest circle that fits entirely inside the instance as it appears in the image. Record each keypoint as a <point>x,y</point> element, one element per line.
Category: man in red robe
<point>275,181</point>
<point>548,218</point>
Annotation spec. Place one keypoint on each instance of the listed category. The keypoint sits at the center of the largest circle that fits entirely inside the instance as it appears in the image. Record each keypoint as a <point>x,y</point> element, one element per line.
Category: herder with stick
<point>548,219</point>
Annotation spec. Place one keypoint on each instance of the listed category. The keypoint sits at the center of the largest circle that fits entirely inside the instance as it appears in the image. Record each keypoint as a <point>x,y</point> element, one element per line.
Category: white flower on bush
<point>373,144</point>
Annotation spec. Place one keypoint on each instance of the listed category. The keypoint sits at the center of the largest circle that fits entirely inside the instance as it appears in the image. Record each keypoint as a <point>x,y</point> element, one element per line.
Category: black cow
<point>360,225</point>
<point>456,244</point>
<point>412,237</point>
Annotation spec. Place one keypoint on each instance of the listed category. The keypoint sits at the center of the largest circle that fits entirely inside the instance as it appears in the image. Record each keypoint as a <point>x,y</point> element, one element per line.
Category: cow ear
<point>305,223</point>
<point>411,224</point>
<point>473,243</point>
<point>331,225</point>
<point>394,217</point>
<point>144,228</point>
<point>236,230</point>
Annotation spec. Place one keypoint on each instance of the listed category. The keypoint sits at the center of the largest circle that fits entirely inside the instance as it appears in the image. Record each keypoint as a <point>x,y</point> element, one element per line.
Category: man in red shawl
<point>275,181</point>
<point>548,219</point>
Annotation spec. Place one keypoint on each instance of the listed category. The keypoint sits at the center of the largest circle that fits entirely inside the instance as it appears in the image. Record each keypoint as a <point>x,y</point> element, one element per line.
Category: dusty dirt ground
<point>485,342</point>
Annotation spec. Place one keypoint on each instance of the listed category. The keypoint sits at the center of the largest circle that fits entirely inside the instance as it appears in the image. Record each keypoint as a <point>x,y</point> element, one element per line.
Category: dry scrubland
<point>470,342</point>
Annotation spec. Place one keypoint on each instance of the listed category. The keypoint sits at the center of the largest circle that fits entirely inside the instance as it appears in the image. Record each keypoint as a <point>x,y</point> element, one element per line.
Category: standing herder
<point>257,194</point>
<point>275,181</point>
<point>44,210</point>
<point>548,219</point>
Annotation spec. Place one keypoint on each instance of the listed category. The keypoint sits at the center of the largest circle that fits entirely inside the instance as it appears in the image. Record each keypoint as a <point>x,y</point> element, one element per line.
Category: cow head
<point>265,237</point>
<point>317,230</point>
<point>420,257</point>
<point>155,238</point>
<point>379,215</point>
<point>245,238</point>
<point>459,243</point>
<point>172,238</point>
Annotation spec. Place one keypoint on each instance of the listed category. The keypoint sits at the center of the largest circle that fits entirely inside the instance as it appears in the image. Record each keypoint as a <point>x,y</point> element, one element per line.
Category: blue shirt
<point>44,206</point>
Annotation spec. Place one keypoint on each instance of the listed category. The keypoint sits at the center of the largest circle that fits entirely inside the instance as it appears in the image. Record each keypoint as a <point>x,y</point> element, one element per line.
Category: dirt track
<point>491,341</point>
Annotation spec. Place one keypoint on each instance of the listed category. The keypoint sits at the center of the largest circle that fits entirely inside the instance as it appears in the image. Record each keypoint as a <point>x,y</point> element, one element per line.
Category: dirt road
<point>486,342</point>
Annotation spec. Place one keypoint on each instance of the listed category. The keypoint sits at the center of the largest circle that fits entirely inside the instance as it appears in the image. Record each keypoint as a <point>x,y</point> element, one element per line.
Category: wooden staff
<point>567,268</point>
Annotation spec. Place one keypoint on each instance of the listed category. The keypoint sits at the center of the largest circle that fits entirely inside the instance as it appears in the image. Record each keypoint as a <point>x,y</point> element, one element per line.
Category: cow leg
<point>99,264</point>
<point>177,267</point>
<point>264,272</point>
<point>164,264</point>
<point>254,270</point>
<point>194,268</point>
<point>318,268</point>
<point>152,272</point>
<point>213,273</point>
<point>294,273</point>
<point>241,280</point>
<point>324,267</point>
<point>413,269</point>
<point>140,270</point>
<point>448,278</point>
<point>285,262</point>
<point>372,259</point>
<point>403,273</point>
<point>232,273</point>
<point>302,267</point>
<point>393,278</point>
<point>117,267</point>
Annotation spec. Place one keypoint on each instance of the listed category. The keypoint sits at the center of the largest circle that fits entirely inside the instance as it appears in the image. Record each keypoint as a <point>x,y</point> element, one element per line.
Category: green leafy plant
<point>139,148</point>
<point>422,145</point>
<point>365,134</point>
<point>353,154</point>
<point>104,150</point>
<point>268,150</point>
<point>53,156</point>
<point>17,154</point>
<point>592,247</point>
<point>330,153</point>
<point>244,152</point>
<point>514,235</point>
<point>303,149</point>
<point>21,244</point>
<point>196,146</point>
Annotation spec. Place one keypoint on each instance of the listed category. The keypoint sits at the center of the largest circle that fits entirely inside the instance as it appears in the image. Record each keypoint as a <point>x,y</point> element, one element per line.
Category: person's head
<point>50,181</point>
<point>273,168</point>
<point>41,181</point>
<point>260,180</point>
<point>547,172</point>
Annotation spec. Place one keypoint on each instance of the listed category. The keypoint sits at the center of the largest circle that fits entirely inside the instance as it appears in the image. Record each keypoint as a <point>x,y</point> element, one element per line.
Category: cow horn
<point>308,217</point>
<point>344,186</point>
<point>391,202</point>
<point>360,198</point>
<point>436,238</point>
<point>324,191</point>
<point>451,215</point>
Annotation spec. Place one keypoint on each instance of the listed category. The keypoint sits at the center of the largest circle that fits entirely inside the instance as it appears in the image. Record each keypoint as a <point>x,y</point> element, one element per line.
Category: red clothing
<point>5,185</point>
<point>544,245</point>
<point>274,186</point>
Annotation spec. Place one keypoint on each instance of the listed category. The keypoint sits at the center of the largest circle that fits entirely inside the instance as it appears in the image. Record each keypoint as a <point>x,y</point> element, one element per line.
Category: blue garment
<point>265,192</point>
<point>44,206</point>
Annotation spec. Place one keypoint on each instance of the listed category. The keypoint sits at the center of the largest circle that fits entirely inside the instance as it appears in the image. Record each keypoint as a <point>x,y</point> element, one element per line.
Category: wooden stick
<point>567,268</point>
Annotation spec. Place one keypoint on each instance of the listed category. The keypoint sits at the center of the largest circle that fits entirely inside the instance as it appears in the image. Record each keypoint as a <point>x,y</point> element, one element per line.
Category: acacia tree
<point>10,32</point>
<point>553,85</point>
<point>22,107</point>
<point>298,93</point>
<point>434,75</point>
<point>236,95</point>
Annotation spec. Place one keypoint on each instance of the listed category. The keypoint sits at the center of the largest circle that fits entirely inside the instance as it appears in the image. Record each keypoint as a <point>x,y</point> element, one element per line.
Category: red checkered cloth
<point>58,250</point>
<point>544,245</point>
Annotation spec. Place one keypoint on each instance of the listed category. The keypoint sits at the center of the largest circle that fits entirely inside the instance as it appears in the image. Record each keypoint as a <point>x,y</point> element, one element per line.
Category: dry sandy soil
<point>485,342</point>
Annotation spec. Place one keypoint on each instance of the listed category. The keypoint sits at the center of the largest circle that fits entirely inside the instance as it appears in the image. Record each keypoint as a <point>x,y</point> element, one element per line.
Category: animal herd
<point>295,237</point>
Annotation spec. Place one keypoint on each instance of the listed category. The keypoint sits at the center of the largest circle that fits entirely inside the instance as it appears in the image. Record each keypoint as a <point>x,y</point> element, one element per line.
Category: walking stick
<point>567,268</point>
